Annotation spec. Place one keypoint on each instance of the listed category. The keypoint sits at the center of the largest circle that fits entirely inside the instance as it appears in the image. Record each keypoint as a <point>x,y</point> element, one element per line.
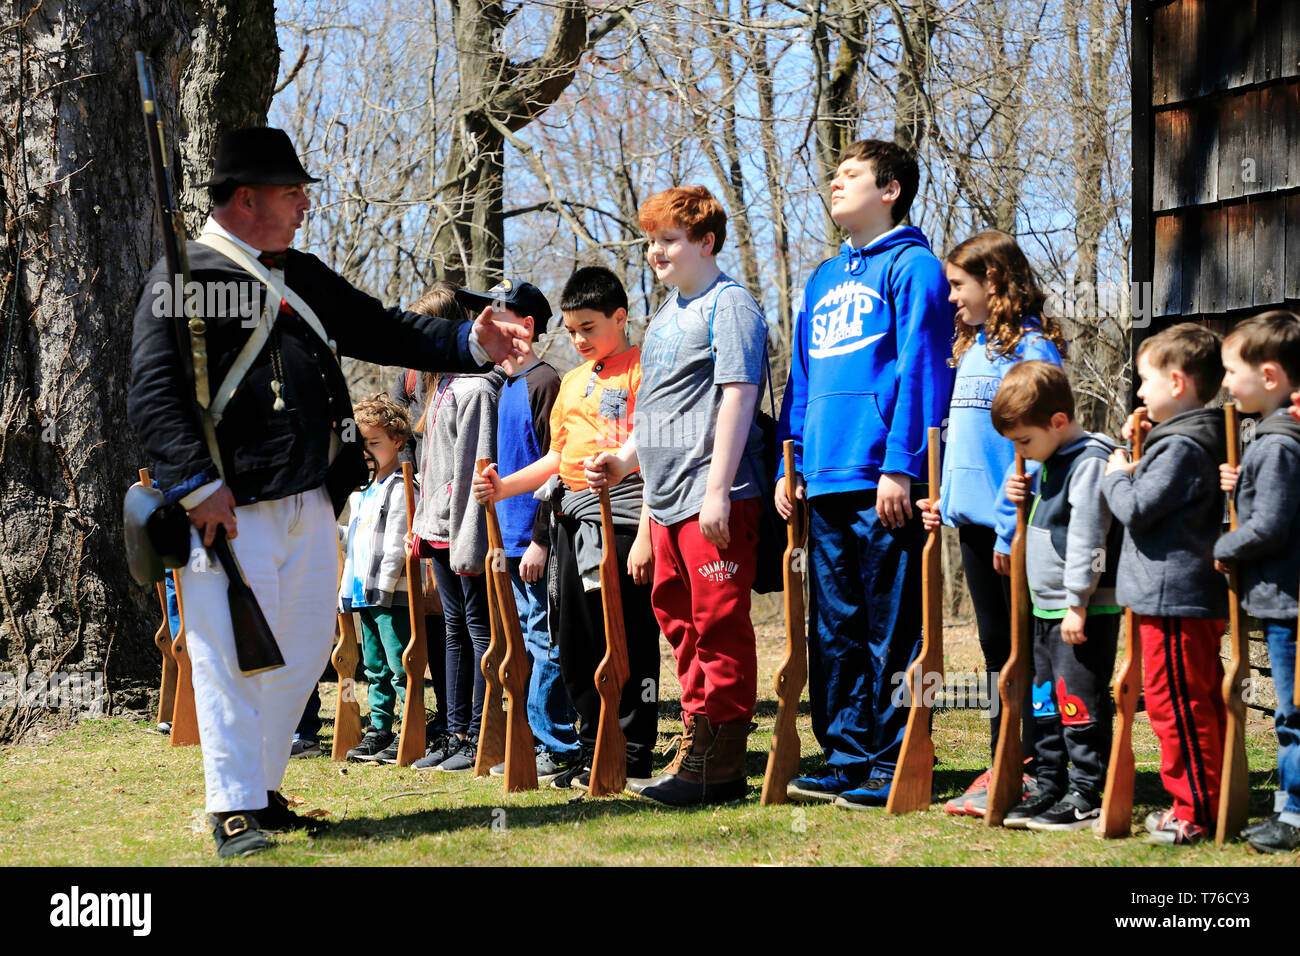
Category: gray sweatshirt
<point>460,427</point>
<point>1070,553</point>
<point>1266,544</point>
<point>1172,511</point>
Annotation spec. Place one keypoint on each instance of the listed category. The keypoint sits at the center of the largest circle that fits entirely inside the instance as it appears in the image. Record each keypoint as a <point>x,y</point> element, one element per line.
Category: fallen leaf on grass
<point>317,814</point>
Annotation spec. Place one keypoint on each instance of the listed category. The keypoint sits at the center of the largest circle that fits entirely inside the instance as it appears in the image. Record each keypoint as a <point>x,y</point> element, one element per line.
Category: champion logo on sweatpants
<point>719,571</point>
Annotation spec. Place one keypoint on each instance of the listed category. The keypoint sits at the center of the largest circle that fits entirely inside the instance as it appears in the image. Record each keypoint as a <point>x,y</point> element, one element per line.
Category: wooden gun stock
<point>1234,786</point>
<point>1117,801</point>
<point>415,658</point>
<point>255,647</point>
<point>609,764</point>
<point>162,640</point>
<point>1005,787</point>
<point>914,776</point>
<point>185,719</point>
<point>783,758</point>
<point>521,760</point>
<point>492,726</point>
<point>347,709</point>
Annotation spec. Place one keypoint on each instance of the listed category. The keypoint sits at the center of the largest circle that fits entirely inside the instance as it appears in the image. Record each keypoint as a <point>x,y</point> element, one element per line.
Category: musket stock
<point>1117,800</point>
<point>1234,786</point>
<point>914,776</point>
<point>347,709</point>
<point>415,658</point>
<point>492,726</point>
<point>1005,787</point>
<point>609,764</point>
<point>162,640</point>
<point>185,720</point>
<point>783,757</point>
<point>521,761</point>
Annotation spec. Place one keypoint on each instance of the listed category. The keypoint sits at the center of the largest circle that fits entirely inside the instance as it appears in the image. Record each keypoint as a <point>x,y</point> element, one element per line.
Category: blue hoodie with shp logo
<point>869,371</point>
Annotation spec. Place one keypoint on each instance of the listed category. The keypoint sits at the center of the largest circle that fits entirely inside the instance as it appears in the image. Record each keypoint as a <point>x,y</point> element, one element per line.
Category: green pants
<point>385,633</point>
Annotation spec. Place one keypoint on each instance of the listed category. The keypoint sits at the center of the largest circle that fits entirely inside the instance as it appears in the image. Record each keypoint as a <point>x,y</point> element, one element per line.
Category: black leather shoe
<point>238,835</point>
<point>278,818</point>
<point>1276,836</point>
<point>1249,831</point>
<point>677,791</point>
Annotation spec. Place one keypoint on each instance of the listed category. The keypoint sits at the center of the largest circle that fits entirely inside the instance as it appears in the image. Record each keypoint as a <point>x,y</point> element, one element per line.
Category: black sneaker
<point>1276,836</point>
<point>551,765</point>
<point>1073,811</point>
<point>372,744</point>
<point>577,776</point>
<point>1037,802</point>
<point>238,835</point>
<point>389,753</point>
<point>872,795</point>
<point>305,747</point>
<point>438,750</point>
<point>463,758</point>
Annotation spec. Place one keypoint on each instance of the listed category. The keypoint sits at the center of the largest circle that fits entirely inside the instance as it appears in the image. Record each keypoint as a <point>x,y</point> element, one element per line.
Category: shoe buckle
<point>235,824</point>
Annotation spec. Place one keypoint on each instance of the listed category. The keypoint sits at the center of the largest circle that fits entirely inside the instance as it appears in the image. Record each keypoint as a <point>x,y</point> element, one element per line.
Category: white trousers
<point>288,550</point>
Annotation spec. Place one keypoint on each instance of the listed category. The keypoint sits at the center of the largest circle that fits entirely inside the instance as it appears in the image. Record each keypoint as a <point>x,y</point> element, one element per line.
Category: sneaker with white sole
<point>372,744</point>
<point>819,789</point>
<point>438,750</point>
<point>1073,811</point>
<point>1166,829</point>
<point>463,758</point>
<point>1034,803</point>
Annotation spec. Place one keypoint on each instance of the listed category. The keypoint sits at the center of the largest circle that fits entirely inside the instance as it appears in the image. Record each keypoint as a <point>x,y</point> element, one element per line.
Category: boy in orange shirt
<point>593,413</point>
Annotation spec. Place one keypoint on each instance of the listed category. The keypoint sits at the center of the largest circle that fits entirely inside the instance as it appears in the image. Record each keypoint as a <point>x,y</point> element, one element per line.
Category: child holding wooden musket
<point>999,322</point>
<point>1072,547</point>
<point>1172,511</point>
<point>1261,359</point>
<point>701,453</point>
<point>593,413</point>
<point>373,583</point>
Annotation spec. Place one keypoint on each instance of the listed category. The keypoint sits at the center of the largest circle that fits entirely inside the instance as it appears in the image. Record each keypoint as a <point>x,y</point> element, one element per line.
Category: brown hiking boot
<point>711,771</point>
<point>684,746</point>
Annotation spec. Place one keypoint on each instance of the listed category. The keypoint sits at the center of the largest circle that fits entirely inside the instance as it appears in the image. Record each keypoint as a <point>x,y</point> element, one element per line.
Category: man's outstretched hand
<point>501,340</point>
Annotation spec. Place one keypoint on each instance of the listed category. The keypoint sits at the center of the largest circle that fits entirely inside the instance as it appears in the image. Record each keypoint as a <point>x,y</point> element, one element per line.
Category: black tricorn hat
<point>258,156</point>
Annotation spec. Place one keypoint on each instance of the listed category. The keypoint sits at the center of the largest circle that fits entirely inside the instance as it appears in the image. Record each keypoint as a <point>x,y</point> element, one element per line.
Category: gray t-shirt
<point>681,392</point>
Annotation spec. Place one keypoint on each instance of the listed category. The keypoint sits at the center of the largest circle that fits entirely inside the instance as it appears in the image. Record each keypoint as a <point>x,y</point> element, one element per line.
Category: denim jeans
<point>1281,636</point>
<point>550,715</point>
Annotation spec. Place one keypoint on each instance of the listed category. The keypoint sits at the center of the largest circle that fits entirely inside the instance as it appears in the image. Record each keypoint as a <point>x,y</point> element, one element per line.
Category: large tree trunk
<point>79,236</point>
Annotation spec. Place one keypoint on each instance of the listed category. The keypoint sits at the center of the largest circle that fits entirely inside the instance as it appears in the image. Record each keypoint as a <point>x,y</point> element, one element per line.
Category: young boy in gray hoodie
<point>1261,360</point>
<point>1172,510</point>
<point>1070,555</point>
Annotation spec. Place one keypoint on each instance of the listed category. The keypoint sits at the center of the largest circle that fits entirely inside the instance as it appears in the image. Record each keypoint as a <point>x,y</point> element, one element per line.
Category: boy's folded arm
<point>1276,480</point>
<point>924,332</point>
<point>1170,477</point>
<point>1085,541</point>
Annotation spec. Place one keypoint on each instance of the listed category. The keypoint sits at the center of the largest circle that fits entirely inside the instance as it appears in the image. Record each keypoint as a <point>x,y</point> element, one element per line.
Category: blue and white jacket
<point>869,368</point>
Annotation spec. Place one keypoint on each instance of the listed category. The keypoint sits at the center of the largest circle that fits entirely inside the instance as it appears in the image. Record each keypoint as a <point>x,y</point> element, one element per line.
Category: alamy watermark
<point>975,690</point>
<point>54,690</point>
<point>238,298</point>
<point>1087,300</point>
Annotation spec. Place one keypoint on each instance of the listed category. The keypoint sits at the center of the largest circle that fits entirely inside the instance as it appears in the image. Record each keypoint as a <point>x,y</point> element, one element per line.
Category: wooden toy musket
<point>783,758</point>
<point>1006,786</point>
<point>609,764</point>
<point>1234,786</point>
<point>521,760</point>
<point>493,731</point>
<point>347,709</point>
<point>1117,800</point>
<point>162,640</point>
<point>416,656</point>
<point>185,719</point>
<point>914,776</point>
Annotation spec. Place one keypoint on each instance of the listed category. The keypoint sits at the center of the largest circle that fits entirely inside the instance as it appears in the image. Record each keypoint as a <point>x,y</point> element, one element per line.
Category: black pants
<point>468,634</point>
<point>990,595</point>
<point>581,639</point>
<point>1072,705</point>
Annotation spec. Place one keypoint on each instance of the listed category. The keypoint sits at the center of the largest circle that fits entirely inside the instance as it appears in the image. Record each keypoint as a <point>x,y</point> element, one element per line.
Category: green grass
<point>110,792</point>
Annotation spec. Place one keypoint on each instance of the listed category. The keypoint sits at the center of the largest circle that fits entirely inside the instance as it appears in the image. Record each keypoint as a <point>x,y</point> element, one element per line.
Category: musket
<point>1006,786</point>
<point>492,729</point>
<point>1117,800</point>
<point>255,645</point>
<point>521,761</point>
<point>1234,782</point>
<point>914,776</point>
<point>609,763</point>
<point>415,658</point>
<point>162,640</point>
<point>783,757</point>
<point>185,719</point>
<point>347,709</point>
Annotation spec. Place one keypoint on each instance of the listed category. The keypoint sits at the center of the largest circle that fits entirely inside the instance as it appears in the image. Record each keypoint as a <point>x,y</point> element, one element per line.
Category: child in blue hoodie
<point>868,376</point>
<point>999,322</point>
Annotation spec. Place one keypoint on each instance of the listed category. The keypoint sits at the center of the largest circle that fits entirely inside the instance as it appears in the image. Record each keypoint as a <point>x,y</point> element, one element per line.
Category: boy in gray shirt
<point>1071,546</point>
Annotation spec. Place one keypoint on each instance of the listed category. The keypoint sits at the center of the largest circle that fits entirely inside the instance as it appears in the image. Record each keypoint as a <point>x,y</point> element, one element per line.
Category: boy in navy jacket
<point>868,376</point>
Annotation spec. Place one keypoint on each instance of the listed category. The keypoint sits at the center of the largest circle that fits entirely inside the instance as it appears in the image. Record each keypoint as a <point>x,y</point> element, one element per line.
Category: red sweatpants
<point>1183,677</point>
<point>701,600</point>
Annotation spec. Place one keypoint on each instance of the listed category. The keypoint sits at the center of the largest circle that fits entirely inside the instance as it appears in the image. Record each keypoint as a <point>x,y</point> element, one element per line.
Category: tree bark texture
<point>79,235</point>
